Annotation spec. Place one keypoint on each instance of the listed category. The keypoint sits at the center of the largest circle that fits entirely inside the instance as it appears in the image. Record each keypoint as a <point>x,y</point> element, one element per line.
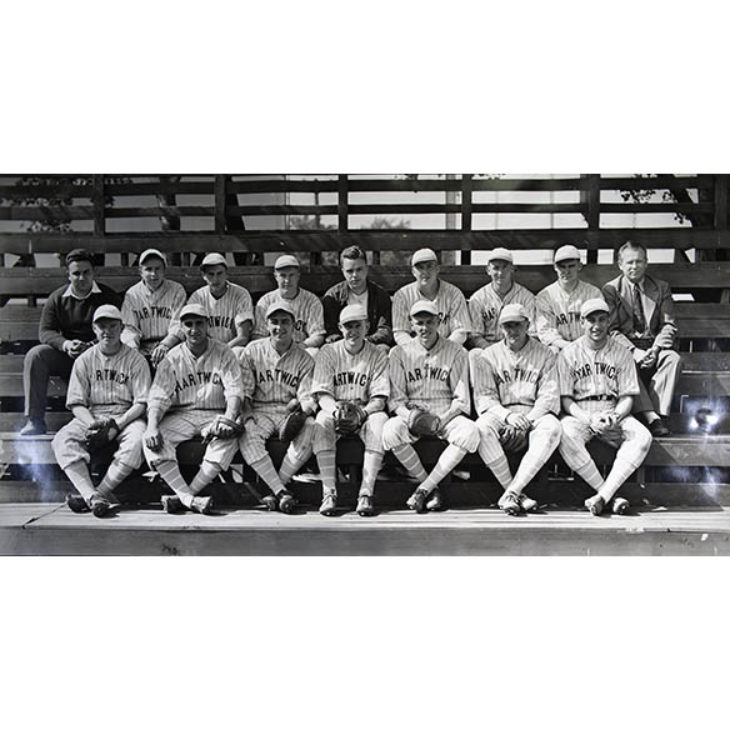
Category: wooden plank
<point>660,182</point>
<point>12,422</point>
<point>342,203</point>
<point>11,385</point>
<point>721,193</point>
<point>220,204</point>
<point>97,199</point>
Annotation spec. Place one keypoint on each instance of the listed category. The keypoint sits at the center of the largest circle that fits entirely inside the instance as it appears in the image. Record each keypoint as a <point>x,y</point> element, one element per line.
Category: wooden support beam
<point>220,204</point>
<point>466,214</point>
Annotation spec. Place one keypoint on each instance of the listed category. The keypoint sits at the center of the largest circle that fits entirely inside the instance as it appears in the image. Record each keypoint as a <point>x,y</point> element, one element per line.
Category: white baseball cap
<point>353,313</point>
<point>193,310</point>
<point>287,260</point>
<point>593,305</point>
<point>513,313</point>
<point>566,253</point>
<point>107,311</point>
<point>213,259</point>
<point>500,254</point>
<point>152,252</point>
<point>423,254</point>
<point>280,306</point>
<point>423,305</point>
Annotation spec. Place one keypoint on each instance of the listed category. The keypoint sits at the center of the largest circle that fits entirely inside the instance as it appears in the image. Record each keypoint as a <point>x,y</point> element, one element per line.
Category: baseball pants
<point>264,425</point>
<point>460,431</point>
<point>370,433</point>
<point>39,364</point>
<point>657,385</point>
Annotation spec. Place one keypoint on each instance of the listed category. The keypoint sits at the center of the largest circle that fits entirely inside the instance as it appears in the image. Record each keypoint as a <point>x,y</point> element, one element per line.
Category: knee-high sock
<point>115,475</point>
<point>265,469</point>
<point>498,466</point>
<point>448,461</point>
<point>170,472</point>
<point>407,456</point>
<point>370,467</point>
<point>589,471</point>
<point>620,472</point>
<point>541,446</point>
<point>206,474</point>
<point>326,463</point>
<point>78,474</point>
<point>291,465</point>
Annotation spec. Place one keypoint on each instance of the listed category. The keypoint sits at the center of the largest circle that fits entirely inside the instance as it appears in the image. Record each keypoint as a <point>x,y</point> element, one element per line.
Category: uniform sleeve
<point>626,378</point>
<point>565,377</point>
<point>244,311</point>
<point>530,305</point>
<point>304,391</point>
<point>324,371</point>
<point>545,319</point>
<point>380,382</point>
<point>612,297</point>
<point>548,398</point>
<point>459,381</point>
<point>397,376</point>
<point>476,310</point>
<point>141,379</point>
<point>248,372</point>
<point>460,319</point>
<point>132,334</point>
<point>163,386</point>
<point>400,313</point>
<point>486,394</point>
<point>315,318</point>
<point>665,308</point>
<point>331,307</point>
<point>79,386</point>
<point>49,329</point>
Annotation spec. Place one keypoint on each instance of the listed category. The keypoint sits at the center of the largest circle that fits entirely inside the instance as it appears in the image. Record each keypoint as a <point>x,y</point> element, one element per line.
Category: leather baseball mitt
<point>512,439</point>
<point>222,428</point>
<point>349,417</point>
<point>292,425</point>
<point>423,423</point>
<point>98,434</point>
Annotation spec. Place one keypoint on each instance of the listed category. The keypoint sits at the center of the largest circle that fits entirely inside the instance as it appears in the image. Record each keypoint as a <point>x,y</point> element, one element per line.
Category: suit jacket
<point>379,311</point>
<point>658,311</point>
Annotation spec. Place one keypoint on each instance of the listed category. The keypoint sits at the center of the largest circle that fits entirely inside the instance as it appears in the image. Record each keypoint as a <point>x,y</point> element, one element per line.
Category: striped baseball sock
<point>170,472</point>
<point>407,456</point>
<point>265,469</point>
<point>448,461</point>
<point>620,472</point>
<point>370,467</point>
<point>326,463</point>
<point>115,475</point>
<point>206,474</point>
<point>589,472</point>
<point>78,474</point>
<point>499,467</point>
<point>292,463</point>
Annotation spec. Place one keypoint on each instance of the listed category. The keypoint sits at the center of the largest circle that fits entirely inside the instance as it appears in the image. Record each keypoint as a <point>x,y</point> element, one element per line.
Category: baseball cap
<point>513,313</point>
<point>566,253</point>
<point>280,306</point>
<point>500,254</point>
<point>287,260</point>
<point>107,311</point>
<point>152,252</point>
<point>593,305</point>
<point>423,305</point>
<point>193,310</point>
<point>213,259</point>
<point>423,254</point>
<point>353,313</point>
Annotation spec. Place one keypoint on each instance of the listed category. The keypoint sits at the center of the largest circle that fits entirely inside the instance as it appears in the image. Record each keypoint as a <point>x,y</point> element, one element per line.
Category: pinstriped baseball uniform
<point>270,381</point>
<point>359,377</point>
<point>485,306</point>
<point>309,314</point>
<point>224,313</point>
<point>453,311</point>
<point>558,311</point>
<point>147,314</point>
<point>108,385</point>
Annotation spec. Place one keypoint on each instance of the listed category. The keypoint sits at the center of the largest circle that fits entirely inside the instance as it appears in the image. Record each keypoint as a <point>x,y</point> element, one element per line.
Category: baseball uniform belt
<point>598,397</point>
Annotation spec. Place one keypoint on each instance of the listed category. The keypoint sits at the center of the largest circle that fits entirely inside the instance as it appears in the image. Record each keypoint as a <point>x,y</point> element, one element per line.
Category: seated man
<point>558,304</point>
<point>277,381</point>
<point>351,371</point>
<point>642,319</point>
<point>358,289</point>
<point>429,377</point>
<point>454,321</point>
<point>107,395</point>
<point>65,332</point>
<point>516,396</point>
<point>309,316</point>
<point>197,381</point>
<point>598,383</point>
<point>149,308</point>
<point>486,303</point>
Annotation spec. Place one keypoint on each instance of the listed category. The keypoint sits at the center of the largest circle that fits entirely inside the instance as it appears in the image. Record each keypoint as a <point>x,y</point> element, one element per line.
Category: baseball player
<point>486,303</point>
<point>197,380</point>
<point>515,386</point>
<point>229,306</point>
<point>454,320</point>
<point>429,373</point>
<point>309,328</point>
<point>597,387</point>
<point>150,306</point>
<point>107,393</point>
<point>558,304</point>
<point>277,379</point>
<point>355,371</point>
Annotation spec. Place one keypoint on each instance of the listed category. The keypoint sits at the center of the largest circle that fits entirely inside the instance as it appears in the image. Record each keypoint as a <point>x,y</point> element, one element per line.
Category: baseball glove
<point>423,423</point>
<point>512,439</point>
<point>97,435</point>
<point>292,425</point>
<point>348,417</point>
<point>222,428</point>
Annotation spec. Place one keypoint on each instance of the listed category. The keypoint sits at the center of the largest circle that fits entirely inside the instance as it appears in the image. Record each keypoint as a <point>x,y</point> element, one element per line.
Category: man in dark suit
<point>642,319</point>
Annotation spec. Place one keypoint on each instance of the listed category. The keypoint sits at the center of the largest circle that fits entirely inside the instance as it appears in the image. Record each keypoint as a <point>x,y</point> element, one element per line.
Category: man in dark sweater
<point>65,332</point>
<point>357,289</point>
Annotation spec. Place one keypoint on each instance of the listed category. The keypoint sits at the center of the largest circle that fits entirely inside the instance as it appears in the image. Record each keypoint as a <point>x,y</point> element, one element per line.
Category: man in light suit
<point>642,319</point>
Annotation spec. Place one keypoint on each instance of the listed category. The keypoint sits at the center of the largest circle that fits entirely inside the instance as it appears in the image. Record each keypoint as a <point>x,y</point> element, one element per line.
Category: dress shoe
<point>659,428</point>
<point>33,428</point>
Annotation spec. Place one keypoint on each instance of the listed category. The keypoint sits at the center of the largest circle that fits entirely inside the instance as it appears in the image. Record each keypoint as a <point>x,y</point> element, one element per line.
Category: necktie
<point>639,321</point>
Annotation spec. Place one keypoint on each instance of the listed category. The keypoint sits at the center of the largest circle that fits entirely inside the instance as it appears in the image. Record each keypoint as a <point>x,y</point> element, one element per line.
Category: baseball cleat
<point>619,506</point>
<point>287,502</point>
<point>595,504</point>
<point>101,507</point>
<point>202,505</point>
<point>365,505</point>
<point>171,504</point>
<point>417,501</point>
<point>270,502</point>
<point>435,503</point>
<point>527,503</point>
<point>509,503</point>
<point>328,506</point>
<point>76,503</point>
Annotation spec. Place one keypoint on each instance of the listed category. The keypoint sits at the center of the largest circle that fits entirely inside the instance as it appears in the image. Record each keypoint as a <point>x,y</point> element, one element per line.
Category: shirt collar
<point>69,292</point>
